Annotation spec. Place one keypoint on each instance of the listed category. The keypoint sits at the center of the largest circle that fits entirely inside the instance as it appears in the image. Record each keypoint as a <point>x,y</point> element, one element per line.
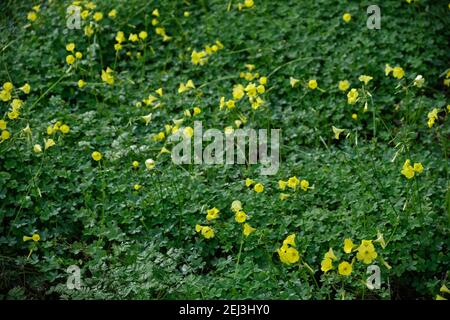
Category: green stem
<point>239,256</point>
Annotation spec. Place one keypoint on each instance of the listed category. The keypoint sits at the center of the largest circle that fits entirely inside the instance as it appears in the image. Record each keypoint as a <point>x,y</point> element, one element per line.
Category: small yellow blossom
<point>97,156</point>
<point>212,214</point>
<point>337,132</point>
<point>344,85</point>
<point>345,268</point>
<point>247,229</point>
<point>347,17</point>
<point>240,217</point>
<point>259,188</point>
<point>312,84</point>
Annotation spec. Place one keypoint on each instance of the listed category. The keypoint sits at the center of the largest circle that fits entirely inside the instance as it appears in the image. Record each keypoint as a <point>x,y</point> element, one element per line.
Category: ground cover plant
<point>92,91</point>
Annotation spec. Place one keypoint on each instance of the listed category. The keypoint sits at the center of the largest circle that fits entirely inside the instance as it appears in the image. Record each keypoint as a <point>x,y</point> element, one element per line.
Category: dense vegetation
<point>86,176</point>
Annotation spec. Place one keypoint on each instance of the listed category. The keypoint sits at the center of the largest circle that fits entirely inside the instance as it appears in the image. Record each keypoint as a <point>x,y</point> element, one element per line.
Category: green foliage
<point>142,244</point>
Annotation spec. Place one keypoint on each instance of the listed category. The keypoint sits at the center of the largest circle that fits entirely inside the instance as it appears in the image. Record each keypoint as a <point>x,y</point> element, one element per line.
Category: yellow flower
<point>97,156</point>
<point>147,118</point>
<point>249,182</point>
<point>70,59</point>
<point>198,57</point>
<point>261,89</point>
<point>107,76</point>
<point>432,117</point>
<point>354,116</point>
<point>263,80</point>
<point>247,229</point>
<point>348,245</point>
<point>81,83</point>
<point>337,132</point>
<point>155,22</point>
<point>238,92</point>
<point>196,111</point>
<point>120,36</point>
<point>133,37</point>
<point>326,265</point>
<point>48,143</point>
<point>135,164</point>
<point>8,86</point>
<point>84,14</point>
<point>419,81</point>
<point>78,55</point>
<point>150,164</point>
<point>16,104</point>
<point>312,84</point>
<point>240,217</point>
<point>345,268</point>
<point>347,17</point>
<point>3,124</point>
<point>32,16</point>
<point>293,81</point>
<point>188,132</point>
<point>155,13</point>
<point>5,135</point>
<point>112,13</point>
<point>290,240</point>
<point>251,89</point>
<point>25,88</point>
<point>37,148</point>
<point>207,232</point>
<point>137,187</point>
<point>236,206</point>
<point>388,69</point>
<point>248,3</point>
<point>439,297</point>
<point>143,35</point>
<point>283,196</point>
<point>98,16</point>
<point>293,182</point>
<point>380,240</point>
<point>304,184</point>
<point>27,130</point>
<point>70,47</point>
<point>352,96</point>
<point>282,184</point>
<point>344,85</point>
<point>330,255</point>
<point>365,79</point>
<point>398,72</point>
<point>186,14</point>
<point>408,169</point>
<point>65,128</point>
<point>5,95</point>
<point>35,237</point>
<point>198,228</point>
<point>418,167</point>
<point>160,92</point>
<point>13,115</point>
<point>88,30</point>
<point>212,214</point>
<point>230,104</point>
<point>91,5</point>
<point>259,188</point>
<point>288,255</point>
<point>366,252</point>
<point>444,289</point>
